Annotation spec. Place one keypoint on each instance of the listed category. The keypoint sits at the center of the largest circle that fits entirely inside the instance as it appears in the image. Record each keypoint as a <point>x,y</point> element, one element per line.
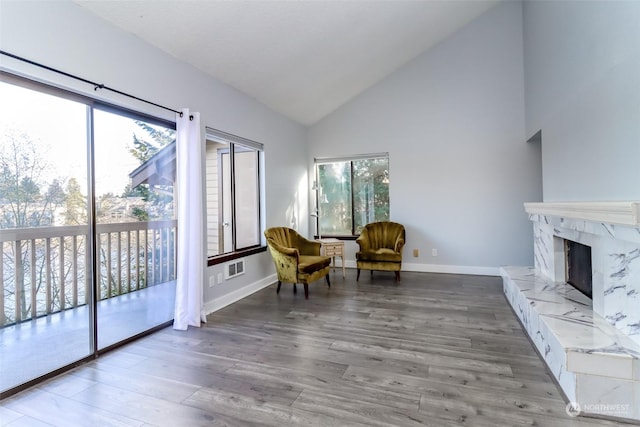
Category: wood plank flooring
<point>435,350</point>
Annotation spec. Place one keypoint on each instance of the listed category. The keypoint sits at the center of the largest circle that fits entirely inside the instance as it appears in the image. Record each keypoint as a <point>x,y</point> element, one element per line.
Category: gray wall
<point>452,121</point>
<point>64,36</point>
<point>582,68</point>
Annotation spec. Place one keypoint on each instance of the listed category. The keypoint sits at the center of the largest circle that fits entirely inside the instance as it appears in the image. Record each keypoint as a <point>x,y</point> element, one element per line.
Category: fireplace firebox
<point>578,263</point>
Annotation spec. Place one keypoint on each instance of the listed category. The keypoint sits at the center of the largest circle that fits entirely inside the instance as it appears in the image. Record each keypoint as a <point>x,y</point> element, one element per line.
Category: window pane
<point>233,196</point>
<point>44,275</point>
<point>370,191</point>
<point>334,198</point>
<point>351,194</point>
<point>136,227</point>
<point>214,187</point>
<point>247,198</point>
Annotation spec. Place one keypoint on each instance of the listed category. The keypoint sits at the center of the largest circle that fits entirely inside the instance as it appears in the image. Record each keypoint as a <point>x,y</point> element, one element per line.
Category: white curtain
<point>191,253</point>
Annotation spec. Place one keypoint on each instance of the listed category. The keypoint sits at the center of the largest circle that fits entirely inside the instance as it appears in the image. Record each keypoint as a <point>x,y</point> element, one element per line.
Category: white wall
<point>582,63</point>
<point>452,121</point>
<point>62,35</point>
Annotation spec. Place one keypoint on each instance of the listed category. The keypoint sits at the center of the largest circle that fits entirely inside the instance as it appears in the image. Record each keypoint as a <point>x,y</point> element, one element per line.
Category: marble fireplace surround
<point>592,347</point>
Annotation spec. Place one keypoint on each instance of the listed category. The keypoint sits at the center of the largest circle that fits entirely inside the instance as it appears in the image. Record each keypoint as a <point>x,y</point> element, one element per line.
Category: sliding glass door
<point>135,223</point>
<point>45,274</point>
<point>87,228</point>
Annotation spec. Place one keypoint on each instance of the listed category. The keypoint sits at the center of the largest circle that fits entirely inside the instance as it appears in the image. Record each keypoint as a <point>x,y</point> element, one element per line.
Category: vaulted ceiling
<point>301,58</point>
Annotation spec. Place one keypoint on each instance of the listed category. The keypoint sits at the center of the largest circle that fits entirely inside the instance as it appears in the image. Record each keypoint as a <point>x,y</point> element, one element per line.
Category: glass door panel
<point>247,197</point>
<point>216,229</point>
<point>44,267</point>
<point>135,223</point>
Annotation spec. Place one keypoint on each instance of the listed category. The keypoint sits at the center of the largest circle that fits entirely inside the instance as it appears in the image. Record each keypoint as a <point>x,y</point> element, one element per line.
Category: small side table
<point>333,248</point>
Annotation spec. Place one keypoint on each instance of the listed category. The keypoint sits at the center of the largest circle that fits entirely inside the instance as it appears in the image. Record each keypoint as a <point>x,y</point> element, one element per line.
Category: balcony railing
<point>44,270</point>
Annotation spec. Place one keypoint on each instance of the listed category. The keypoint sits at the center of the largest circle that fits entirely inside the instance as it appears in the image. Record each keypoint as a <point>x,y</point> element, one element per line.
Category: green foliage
<point>370,192</point>
<point>140,213</point>
<point>55,193</point>
<point>160,197</point>
<point>353,194</point>
<point>143,149</point>
<point>335,198</point>
<point>139,191</point>
<point>75,212</point>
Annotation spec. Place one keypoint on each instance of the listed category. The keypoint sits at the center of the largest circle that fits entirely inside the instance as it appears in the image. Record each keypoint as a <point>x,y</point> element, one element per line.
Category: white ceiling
<point>301,58</point>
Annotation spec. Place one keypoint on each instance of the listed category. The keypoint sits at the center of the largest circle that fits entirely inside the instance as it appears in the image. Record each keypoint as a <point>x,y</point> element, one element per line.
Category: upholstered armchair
<point>380,248</point>
<point>297,259</point>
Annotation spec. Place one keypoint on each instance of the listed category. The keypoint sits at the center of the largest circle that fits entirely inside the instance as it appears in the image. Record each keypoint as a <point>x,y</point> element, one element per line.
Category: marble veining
<point>623,261</point>
<point>612,289</point>
<point>615,265</point>
<point>592,346</point>
<point>609,228</point>
<point>612,349</point>
<point>579,346</point>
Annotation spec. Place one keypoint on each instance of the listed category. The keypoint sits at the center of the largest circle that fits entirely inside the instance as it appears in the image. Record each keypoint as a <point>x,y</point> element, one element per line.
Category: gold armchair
<point>381,247</point>
<point>297,259</point>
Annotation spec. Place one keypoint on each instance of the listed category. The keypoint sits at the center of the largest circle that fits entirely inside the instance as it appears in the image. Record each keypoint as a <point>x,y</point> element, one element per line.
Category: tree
<point>24,204</point>
<point>144,149</point>
<point>75,212</point>
<point>370,192</point>
<point>353,194</point>
<point>22,170</point>
<point>160,197</point>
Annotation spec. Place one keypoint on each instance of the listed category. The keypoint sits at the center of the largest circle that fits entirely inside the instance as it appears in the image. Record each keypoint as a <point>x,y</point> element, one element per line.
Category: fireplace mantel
<point>624,213</point>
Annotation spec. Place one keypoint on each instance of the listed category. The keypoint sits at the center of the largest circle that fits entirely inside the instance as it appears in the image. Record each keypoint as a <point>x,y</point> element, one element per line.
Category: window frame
<point>343,159</point>
<point>218,136</point>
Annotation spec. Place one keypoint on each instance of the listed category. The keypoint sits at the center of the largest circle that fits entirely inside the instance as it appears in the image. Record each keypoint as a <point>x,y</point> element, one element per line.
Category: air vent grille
<point>234,269</point>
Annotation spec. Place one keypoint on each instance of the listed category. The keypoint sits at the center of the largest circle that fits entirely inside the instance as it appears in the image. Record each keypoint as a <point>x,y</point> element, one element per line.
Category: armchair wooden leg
<point>279,284</point>
<point>372,274</point>
<point>306,291</point>
<point>295,290</point>
<point>328,281</point>
<point>397,276</point>
<point>358,275</point>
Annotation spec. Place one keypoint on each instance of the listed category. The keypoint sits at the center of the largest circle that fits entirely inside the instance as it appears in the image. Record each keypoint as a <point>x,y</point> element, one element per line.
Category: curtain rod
<point>95,85</point>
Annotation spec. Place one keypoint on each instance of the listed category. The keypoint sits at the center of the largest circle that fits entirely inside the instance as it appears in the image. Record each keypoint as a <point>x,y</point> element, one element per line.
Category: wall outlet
<point>434,252</point>
<point>220,278</point>
<point>212,281</point>
<point>416,253</point>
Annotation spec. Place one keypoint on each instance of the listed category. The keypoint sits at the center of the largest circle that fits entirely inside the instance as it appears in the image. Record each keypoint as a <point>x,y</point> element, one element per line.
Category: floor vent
<point>234,269</point>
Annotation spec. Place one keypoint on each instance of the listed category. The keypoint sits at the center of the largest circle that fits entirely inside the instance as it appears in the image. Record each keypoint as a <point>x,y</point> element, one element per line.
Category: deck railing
<point>44,270</point>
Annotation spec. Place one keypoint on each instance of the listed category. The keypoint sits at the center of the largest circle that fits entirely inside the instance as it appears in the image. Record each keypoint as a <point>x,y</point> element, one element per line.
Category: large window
<point>350,193</point>
<point>233,193</point>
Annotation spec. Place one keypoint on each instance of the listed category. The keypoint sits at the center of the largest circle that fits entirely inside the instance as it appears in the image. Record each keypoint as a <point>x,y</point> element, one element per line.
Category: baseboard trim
<point>443,268</point>
<point>227,299</point>
<point>452,269</point>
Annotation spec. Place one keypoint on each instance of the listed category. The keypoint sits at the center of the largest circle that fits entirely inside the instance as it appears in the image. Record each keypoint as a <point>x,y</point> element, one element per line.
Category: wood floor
<point>438,350</point>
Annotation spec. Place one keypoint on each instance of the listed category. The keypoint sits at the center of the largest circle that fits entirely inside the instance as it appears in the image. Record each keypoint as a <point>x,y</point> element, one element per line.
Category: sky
<point>57,127</point>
